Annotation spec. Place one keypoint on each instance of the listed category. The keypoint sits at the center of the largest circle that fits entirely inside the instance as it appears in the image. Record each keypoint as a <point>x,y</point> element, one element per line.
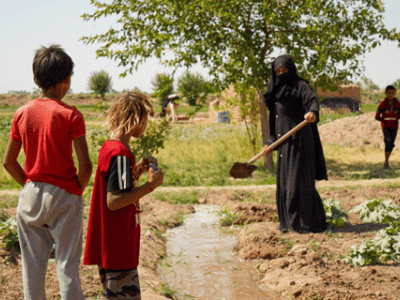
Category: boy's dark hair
<point>51,66</point>
<point>390,87</point>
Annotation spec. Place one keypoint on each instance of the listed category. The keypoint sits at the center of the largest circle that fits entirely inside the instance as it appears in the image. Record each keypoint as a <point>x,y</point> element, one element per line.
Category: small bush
<point>100,83</point>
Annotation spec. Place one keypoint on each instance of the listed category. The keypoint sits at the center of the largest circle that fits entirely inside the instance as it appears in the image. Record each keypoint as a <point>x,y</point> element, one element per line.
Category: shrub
<point>100,83</point>
<point>163,85</point>
<point>191,85</point>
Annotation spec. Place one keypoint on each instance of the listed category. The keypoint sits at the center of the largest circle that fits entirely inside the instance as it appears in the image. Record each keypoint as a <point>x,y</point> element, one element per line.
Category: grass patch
<point>8,201</point>
<point>350,163</point>
<point>264,197</point>
<point>227,216</point>
<point>181,197</point>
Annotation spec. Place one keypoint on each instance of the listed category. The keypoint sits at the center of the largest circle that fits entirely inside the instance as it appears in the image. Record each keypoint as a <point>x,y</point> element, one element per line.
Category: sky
<point>26,25</point>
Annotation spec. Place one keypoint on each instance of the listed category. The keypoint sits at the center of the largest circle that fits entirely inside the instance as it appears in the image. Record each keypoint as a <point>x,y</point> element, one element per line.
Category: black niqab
<point>279,84</point>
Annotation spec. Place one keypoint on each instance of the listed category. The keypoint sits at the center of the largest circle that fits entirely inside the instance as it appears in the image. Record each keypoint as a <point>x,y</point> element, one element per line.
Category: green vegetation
<point>226,216</point>
<point>335,214</point>
<point>191,86</point>
<point>181,197</point>
<point>377,211</point>
<point>100,83</point>
<point>9,228</point>
<point>163,85</point>
<point>386,244</point>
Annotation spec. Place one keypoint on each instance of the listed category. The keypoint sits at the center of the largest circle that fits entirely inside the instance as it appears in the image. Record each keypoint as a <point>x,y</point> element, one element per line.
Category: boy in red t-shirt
<point>113,236</point>
<point>388,113</point>
<point>50,207</point>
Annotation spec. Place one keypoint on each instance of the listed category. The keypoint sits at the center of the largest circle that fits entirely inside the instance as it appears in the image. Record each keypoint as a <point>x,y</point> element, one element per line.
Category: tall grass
<point>202,155</point>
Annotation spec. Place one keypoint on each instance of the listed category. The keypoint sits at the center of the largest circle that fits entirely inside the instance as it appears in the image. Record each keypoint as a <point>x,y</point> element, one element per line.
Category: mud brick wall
<point>350,90</point>
<point>218,106</point>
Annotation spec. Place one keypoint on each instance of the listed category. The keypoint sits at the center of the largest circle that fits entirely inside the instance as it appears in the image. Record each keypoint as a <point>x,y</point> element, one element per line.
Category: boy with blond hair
<point>50,207</point>
<point>113,237</point>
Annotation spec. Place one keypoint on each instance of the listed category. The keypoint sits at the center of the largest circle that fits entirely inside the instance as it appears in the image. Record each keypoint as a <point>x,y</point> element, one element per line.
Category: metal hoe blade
<point>242,170</point>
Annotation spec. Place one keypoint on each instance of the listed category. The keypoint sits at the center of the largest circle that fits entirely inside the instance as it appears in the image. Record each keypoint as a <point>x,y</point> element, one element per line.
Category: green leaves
<point>386,244</point>
<point>377,211</point>
<point>335,214</point>
<point>235,39</point>
<point>10,240</point>
<point>100,83</point>
<point>163,85</point>
<point>191,86</point>
<point>157,132</point>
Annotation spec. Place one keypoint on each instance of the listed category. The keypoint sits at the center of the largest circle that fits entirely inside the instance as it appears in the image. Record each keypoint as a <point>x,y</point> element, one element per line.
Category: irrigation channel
<point>201,262</point>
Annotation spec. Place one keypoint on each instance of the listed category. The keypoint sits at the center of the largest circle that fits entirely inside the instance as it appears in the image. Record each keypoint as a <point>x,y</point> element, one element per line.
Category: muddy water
<point>201,262</point>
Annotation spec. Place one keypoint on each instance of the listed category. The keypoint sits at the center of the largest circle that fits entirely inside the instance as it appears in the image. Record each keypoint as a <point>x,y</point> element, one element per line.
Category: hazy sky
<point>25,25</point>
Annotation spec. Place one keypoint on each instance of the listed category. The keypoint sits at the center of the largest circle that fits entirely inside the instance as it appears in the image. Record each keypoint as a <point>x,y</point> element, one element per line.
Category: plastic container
<point>223,117</point>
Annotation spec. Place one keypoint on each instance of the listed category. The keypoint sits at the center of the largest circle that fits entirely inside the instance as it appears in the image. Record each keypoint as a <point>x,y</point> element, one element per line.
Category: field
<point>196,160</point>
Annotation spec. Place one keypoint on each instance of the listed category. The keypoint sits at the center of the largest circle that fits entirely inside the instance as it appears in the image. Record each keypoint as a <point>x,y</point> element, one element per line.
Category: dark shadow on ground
<point>360,171</point>
<point>360,228</point>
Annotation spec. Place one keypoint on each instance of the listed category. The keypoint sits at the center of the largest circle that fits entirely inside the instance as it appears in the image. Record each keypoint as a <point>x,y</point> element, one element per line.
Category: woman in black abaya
<point>301,161</point>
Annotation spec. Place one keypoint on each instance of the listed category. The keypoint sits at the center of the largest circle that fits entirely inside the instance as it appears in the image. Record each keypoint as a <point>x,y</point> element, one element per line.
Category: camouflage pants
<point>119,284</point>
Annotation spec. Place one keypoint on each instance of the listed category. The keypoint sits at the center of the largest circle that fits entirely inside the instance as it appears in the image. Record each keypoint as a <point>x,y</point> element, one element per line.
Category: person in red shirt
<point>388,113</point>
<point>50,207</point>
<point>113,235</point>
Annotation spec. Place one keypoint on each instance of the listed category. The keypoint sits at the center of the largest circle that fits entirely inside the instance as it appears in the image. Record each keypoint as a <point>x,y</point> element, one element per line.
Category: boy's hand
<point>155,178</point>
<point>149,161</point>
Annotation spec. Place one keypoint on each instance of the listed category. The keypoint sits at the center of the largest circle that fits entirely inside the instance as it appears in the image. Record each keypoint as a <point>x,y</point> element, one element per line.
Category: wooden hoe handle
<point>278,142</point>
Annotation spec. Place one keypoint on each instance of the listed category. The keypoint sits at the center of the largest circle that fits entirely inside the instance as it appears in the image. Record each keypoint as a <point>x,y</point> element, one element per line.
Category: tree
<point>246,99</point>
<point>100,83</point>
<point>191,85</point>
<point>368,84</point>
<point>163,85</point>
<point>236,39</point>
<point>396,85</point>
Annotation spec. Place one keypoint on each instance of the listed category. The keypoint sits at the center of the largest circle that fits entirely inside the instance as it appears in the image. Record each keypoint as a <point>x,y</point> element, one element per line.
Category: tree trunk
<point>268,161</point>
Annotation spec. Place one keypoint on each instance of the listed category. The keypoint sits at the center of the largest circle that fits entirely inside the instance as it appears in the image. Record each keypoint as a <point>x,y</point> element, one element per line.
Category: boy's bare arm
<point>85,165</point>
<point>117,200</point>
<point>11,164</point>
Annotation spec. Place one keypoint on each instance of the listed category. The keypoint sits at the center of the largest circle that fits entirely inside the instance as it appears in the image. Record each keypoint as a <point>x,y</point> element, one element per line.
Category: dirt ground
<point>359,130</point>
<point>289,264</point>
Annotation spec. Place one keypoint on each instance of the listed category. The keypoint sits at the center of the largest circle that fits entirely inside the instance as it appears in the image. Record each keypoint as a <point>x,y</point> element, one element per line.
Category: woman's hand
<point>310,117</point>
<point>267,150</point>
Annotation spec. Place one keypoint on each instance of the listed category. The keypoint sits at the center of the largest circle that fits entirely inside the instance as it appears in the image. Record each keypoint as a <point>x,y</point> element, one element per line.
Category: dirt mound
<point>354,131</point>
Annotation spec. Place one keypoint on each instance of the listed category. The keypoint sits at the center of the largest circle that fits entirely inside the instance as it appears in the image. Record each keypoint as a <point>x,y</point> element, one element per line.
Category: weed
<point>227,216</point>
<point>288,246</point>
<point>179,217</point>
<point>222,261</point>
<point>158,233</point>
<point>7,260</point>
<point>315,246</point>
<point>167,291</point>
<point>181,198</point>
<point>316,297</point>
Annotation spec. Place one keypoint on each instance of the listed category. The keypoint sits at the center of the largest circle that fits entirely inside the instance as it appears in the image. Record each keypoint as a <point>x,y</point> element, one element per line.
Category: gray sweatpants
<point>47,214</point>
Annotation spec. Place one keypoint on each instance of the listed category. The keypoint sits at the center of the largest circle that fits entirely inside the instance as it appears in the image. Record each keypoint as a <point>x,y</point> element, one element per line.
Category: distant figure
<point>301,161</point>
<point>50,206</point>
<point>388,113</point>
<point>169,105</point>
<point>113,234</point>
